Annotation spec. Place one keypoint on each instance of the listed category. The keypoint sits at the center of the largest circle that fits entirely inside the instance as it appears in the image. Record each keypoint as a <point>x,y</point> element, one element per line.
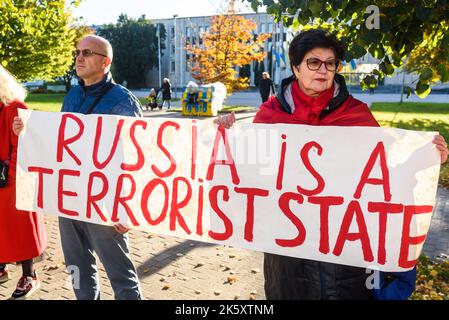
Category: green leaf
<point>315,7</point>
<point>363,84</point>
<point>397,60</point>
<point>255,5</point>
<point>268,2</point>
<point>426,74</point>
<point>369,82</point>
<point>422,13</point>
<point>372,36</point>
<point>386,68</point>
<point>358,51</point>
<point>428,3</point>
<point>304,17</point>
<point>445,42</point>
<point>422,89</point>
<point>443,73</point>
<point>273,9</point>
<point>415,36</point>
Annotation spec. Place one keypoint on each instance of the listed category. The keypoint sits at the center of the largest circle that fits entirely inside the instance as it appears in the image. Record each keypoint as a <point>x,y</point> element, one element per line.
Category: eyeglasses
<point>314,64</point>
<point>87,53</point>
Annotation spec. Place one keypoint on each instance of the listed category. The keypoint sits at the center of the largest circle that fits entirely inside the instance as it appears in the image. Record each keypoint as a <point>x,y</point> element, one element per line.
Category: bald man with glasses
<point>97,93</point>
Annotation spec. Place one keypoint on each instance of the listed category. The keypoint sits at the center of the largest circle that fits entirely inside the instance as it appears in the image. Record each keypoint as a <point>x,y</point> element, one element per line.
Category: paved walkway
<point>168,268</point>
<point>437,241</point>
<point>172,268</point>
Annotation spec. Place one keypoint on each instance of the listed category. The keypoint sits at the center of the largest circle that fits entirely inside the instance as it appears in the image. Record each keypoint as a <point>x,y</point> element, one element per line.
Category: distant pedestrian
<point>266,87</point>
<point>22,233</point>
<point>166,92</point>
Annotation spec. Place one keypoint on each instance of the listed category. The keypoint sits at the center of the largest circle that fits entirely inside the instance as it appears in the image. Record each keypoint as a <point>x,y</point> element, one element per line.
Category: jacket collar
<point>285,97</point>
<point>97,88</point>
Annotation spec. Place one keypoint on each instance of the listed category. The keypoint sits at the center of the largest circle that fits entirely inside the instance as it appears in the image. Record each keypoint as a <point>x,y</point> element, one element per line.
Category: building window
<point>172,66</point>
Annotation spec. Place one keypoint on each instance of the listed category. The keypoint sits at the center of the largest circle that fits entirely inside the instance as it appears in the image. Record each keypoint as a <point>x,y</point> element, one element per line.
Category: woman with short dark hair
<point>316,95</point>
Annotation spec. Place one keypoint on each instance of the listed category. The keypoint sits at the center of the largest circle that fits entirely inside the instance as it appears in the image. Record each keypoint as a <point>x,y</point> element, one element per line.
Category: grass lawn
<point>416,116</point>
<point>45,101</point>
<point>226,109</point>
<point>53,102</point>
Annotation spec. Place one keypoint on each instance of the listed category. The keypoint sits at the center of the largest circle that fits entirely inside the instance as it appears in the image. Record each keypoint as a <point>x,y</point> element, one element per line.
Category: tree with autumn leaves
<point>430,58</point>
<point>36,37</point>
<point>230,44</point>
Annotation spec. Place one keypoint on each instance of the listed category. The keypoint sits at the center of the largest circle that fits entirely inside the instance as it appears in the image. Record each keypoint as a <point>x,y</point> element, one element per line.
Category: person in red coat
<point>22,234</point>
<point>316,95</point>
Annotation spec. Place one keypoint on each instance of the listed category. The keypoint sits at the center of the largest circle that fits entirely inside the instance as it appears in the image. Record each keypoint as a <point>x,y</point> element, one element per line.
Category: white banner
<point>348,195</point>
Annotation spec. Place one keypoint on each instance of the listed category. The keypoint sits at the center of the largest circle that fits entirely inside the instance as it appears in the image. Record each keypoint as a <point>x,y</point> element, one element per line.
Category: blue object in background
<point>353,64</point>
<point>395,285</point>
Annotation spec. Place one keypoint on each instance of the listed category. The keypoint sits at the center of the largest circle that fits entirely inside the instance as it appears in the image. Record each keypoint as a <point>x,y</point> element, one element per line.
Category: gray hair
<point>10,88</point>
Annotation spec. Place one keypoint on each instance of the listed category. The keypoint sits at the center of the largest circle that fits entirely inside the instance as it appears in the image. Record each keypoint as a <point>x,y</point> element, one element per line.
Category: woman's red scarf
<point>351,112</point>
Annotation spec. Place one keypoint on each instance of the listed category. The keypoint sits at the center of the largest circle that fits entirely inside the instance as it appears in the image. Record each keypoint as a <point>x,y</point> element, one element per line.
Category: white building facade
<point>181,32</point>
